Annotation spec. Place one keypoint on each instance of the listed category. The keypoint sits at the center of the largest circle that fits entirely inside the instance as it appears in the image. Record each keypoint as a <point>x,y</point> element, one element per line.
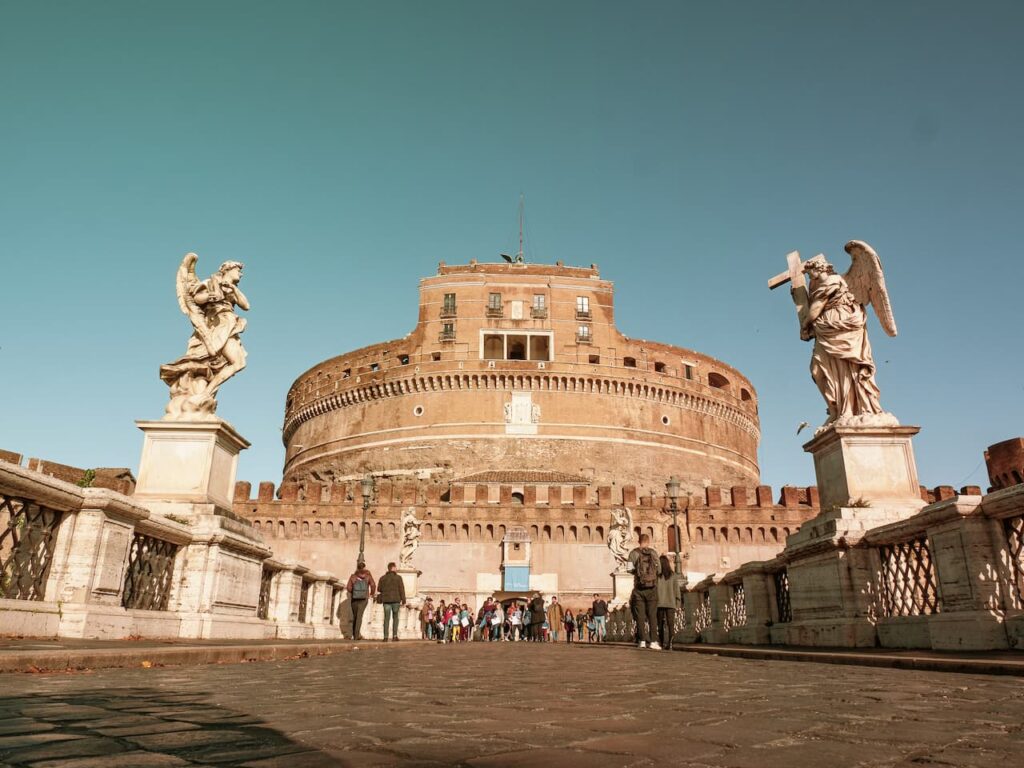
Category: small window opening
<point>595,359</point>
<point>629,362</point>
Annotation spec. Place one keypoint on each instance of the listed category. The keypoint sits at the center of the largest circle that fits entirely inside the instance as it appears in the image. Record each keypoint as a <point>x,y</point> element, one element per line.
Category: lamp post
<point>367,484</point>
<point>672,491</point>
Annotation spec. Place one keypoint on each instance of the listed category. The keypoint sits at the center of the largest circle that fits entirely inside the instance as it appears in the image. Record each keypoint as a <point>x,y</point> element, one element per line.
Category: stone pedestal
<point>622,588</point>
<point>873,464</point>
<point>411,579</point>
<point>187,473</point>
<point>188,464</point>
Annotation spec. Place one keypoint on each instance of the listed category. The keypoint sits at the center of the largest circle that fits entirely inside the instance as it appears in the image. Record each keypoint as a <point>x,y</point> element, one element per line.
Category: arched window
<point>629,362</point>
<point>293,528</point>
<point>490,532</point>
<point>599,533</point>
<point>428,531</point>
<point>717,380</point>
<point>256,525</point>
<point>700,534</point>
<point>378,531</point>
<point>775,535</point>
<point>547,533</point>
<point>672,539</point>
<point>501,531</point>
<point>453,531</point>
<point>465,531</point>
<point>517,498</point>
<point>560,533</point>
<point>586,534</point>
<point>725,533</point>
<point>744,394</point>
<point>392,531</point>
<point>318,530</point>
<point>280,529</point>
<point>534,532</point>
<point>572,533</point>
<point>477,532</point>
<point>659,367</point>
<point>330,530</point>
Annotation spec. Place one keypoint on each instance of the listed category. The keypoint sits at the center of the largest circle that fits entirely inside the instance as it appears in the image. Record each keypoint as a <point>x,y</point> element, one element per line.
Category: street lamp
<point>672,490</point>
<point>367,483</point>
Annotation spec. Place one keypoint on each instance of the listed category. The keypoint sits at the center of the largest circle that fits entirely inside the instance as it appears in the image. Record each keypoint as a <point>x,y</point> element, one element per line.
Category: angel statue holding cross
<point>215,352</point>
<point>832,312</point>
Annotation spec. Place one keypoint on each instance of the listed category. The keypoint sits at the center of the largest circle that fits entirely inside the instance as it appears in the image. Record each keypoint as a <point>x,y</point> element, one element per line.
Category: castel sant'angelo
<point>514,418</point>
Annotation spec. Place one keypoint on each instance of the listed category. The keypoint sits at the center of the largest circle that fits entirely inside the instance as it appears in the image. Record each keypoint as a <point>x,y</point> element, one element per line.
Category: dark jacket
<point>537,611</point>
<point>391,588</point>
<point>599,608</point>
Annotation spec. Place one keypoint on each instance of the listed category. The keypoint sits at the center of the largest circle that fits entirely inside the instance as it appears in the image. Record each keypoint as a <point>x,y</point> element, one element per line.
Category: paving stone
<point>524,705</point>
<point>83,747</point>
<point>20,726</point>
<point>123,760</point>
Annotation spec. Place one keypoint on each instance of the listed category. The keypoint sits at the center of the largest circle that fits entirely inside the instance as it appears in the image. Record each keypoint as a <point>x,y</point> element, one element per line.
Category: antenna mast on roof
<point>520,256</point>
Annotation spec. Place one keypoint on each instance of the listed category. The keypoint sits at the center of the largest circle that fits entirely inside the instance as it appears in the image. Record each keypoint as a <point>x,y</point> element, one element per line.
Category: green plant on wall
<point>87,479</point>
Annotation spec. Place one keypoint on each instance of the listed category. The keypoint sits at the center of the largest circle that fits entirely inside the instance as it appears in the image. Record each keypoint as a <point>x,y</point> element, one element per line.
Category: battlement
<point>119,479</point>
<point>569,491</point>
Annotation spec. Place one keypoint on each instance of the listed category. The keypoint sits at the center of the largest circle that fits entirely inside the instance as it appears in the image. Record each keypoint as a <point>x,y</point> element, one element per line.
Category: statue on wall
<point>410,537</point>
<point>832,311</point>
<point>215,352</point>
<point>620,536</point>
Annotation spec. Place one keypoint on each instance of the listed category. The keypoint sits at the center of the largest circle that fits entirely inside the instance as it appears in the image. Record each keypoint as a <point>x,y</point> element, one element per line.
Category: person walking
<point>392,595</point>
<point>570,625</point>
<point>644,600</point>
<point>556,617</point>
<point>361,587</point>
<point>599,612</point>
<point>668,601</point>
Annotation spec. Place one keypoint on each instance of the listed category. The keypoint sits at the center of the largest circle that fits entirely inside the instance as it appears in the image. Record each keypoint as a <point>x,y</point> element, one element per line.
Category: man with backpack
<point>646,570</point>
<point>361,587</point>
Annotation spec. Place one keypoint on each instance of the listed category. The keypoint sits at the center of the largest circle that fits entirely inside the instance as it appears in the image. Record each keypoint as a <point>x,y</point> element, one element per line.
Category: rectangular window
<point>688,371</point>
<point>494,301</point>
<point>448,308</point>
<point>582,304</point>
<point>540,348</point>
<point>447,331</point>
<point>583,333</point>
<point>540,301</point>
<point>374,366</point>
<point>595,359</point>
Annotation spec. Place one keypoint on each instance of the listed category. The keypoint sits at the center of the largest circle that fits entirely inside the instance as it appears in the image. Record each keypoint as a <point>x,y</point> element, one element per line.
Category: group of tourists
<point>653,604</point>
<point>528,620</point>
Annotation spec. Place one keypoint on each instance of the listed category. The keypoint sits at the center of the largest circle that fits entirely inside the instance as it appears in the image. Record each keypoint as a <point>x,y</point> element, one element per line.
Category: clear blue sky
<point>341,150</point>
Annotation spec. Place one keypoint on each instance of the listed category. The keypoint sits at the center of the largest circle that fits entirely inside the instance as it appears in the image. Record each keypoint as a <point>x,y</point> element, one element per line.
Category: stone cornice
<point>537,381</point>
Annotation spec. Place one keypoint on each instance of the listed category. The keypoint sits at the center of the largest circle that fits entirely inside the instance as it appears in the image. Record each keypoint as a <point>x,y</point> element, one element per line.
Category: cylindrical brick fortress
<point>516,367</point>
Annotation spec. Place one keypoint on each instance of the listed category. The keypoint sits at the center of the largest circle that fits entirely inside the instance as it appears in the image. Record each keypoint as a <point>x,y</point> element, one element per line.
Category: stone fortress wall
<point>520,366</point>
<point>463,526</point>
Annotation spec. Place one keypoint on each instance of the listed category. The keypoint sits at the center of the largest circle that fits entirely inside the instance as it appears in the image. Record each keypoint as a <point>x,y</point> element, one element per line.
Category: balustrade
<point>27,539</point>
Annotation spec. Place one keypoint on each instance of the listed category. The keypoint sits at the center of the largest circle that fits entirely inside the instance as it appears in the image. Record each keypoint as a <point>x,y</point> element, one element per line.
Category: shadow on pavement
<point>141,727</point>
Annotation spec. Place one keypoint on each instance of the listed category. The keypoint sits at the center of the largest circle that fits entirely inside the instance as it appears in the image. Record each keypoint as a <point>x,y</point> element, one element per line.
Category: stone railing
<point>93,563</point>
<point>948,577</point>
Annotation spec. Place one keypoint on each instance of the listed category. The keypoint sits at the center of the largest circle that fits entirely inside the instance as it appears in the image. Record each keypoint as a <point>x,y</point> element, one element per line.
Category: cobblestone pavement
<point>515,704</point>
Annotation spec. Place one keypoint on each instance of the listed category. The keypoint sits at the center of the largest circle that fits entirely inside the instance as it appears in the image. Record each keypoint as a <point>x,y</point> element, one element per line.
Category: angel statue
<point>832,311</point>
<point>620,536</point>
<point>410,537</point>
<point>215,352</point>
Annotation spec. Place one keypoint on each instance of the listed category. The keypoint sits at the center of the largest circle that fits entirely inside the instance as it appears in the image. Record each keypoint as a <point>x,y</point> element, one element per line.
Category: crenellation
<point>243,491</point>
<point>266,491</point>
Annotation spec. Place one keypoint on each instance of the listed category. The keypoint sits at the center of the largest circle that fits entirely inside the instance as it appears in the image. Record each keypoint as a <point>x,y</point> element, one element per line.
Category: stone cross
<point>794,274</point>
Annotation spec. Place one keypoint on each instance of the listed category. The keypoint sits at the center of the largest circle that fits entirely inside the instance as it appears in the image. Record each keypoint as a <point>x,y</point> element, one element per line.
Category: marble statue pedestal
<point>189,463</point>
<point>866,478</point>
<point>622,588</point>
<point>874,464</point>
<point>187,473</point>
<point>411,579</point>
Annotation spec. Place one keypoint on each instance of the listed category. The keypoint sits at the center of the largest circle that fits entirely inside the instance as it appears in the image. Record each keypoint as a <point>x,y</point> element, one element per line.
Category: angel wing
<point>186,284</point>
<point>867,282</point>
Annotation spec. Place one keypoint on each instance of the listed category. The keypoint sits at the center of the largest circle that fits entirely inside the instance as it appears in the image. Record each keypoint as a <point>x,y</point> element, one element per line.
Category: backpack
<point>647,568</point>
<point>360,589</point>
